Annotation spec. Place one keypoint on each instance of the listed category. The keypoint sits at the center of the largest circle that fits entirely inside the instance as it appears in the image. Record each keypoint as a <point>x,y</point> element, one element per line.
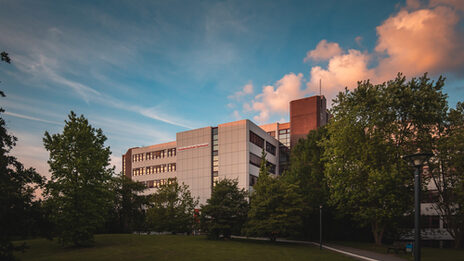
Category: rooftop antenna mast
<point>320,87</point>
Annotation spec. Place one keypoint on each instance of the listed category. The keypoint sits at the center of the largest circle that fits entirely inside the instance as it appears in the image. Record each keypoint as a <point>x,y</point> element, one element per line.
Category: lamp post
<point>320,226</point>
<point>417,160</point>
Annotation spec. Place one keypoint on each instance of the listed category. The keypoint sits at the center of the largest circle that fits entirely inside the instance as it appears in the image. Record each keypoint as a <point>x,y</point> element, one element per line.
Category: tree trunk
<point>377,231</point>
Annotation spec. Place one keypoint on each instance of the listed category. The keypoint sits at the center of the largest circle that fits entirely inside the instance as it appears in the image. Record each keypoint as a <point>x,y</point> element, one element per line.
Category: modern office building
<point>231,150</point>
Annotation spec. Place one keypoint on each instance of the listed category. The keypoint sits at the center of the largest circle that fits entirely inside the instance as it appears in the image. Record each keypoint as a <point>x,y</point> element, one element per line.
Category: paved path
<point>349,251</point>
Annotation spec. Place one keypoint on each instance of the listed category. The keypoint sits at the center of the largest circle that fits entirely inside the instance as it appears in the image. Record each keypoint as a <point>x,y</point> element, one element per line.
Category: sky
<point>144,70</point>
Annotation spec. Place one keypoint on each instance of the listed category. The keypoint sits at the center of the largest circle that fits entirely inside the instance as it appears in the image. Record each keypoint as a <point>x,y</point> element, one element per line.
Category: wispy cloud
<point>31,118</point>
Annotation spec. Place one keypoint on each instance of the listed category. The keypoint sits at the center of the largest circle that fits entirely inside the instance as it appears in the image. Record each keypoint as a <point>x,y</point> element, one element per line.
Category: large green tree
<point>79,187</point>
<point>17,185</point>
<point>226,211</point>
<point>307,172</point>
<point>172,209</point>
<point>275,206</point>
<point>130,203</point>
<point>372,127</point>
<point>446,171</point>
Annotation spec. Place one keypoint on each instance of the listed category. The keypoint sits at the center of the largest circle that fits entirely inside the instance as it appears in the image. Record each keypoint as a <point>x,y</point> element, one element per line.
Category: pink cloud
<point>324,51</point>
<point>247,89</point>
<point>420,41</point>
<point>416,39</point>
<point>274,99</point>
<point>411,42</point>
<point>342,70</point>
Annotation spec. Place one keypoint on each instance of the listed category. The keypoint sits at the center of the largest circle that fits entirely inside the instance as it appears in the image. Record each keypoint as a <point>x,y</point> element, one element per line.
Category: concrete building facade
<point>231,150</point>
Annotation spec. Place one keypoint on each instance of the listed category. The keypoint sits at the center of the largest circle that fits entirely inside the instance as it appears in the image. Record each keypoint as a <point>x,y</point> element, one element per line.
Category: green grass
<point>428,253</point>
<point>170,247</point>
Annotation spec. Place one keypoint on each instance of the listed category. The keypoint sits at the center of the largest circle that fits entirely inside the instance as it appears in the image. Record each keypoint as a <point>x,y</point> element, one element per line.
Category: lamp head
<point>418,159</point>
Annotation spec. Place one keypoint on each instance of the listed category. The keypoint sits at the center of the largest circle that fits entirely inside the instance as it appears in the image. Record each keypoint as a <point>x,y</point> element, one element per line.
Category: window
<point>284,137</point>
<point>257,140</point>
<point>253,180</point>
<point>171,152</point>
<point>271,167</point>
<point>430,221</point>
<point>431,197</point>
<point>272,133</point>
<point>255,160</point>
<point>270,148</point>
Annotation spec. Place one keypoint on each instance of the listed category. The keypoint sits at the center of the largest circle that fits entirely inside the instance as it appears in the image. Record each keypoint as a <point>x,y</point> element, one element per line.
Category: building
<point>231,150</point>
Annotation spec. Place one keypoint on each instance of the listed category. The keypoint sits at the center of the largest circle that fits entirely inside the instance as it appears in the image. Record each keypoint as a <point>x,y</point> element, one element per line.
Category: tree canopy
<point>79,187</point>
<point>307,172</point>
<point>446,171</point>
<point>172,209</point>
<point>372,127</point>
<point>275,206</point>
<point>226,211</point>
<point>17,185</point>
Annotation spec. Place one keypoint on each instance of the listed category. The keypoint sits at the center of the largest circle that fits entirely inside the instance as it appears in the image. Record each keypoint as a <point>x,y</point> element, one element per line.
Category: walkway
<point>349,251</point>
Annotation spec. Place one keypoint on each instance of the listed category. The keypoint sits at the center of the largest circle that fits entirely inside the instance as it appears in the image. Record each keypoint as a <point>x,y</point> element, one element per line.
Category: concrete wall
<point>194,161</point>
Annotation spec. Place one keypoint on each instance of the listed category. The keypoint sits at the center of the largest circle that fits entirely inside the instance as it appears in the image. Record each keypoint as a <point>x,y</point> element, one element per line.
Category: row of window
<point>154,155</point>
<point>215,156</point>
<point>157,183</point>
<point>256,161</point>
<point>170,167</point>
<point>258,141</point>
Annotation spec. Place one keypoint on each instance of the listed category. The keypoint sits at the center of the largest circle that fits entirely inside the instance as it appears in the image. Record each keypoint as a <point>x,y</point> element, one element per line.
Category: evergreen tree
<point>128,211</point>
<point>275,206</point>
<point>307,172</point>
<point>226,211</point>
<point>79,188</point>
<point>172,209</point>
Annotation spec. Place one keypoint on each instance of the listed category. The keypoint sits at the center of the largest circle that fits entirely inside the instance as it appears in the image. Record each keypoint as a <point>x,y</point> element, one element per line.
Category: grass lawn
<point>170,247</point>
<point>428,253</point>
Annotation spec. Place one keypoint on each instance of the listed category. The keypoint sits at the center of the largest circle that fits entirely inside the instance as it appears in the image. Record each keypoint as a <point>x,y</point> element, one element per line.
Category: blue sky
<point>144,70</point>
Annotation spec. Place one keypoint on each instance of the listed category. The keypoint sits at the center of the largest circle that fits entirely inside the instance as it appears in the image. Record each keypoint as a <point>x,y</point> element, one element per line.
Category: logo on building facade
<point>193,146</point>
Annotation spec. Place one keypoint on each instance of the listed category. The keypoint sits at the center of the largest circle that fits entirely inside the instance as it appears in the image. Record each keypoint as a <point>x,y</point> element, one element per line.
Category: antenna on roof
<point>320,87</point>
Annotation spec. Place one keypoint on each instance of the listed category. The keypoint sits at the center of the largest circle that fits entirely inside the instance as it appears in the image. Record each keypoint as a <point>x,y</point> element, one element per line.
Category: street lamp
<point>320,226</point>
<point>417,160</point>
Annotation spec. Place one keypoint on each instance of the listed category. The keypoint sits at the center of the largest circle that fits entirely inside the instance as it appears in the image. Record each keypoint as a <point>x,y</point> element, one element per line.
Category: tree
<point>275,206</point>
<point>307,172</point>
<point>372,127</point>
<point>17,185</point>
<point>172,209</point>
<point>79,188</point>
<point>128,212</point>
<point>447,172</point>
<point>226,211</point>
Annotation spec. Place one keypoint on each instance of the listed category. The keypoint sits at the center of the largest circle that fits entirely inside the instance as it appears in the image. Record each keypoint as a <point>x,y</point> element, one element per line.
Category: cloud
<point>414,40</point>
<point>247,89</point>
<point>274,99</point>
<point>236,115</point>
<point>44,67</point>
<point>458,4</point>
<point>324,51</point>
<point>22,116</point>
<point>411,41</point>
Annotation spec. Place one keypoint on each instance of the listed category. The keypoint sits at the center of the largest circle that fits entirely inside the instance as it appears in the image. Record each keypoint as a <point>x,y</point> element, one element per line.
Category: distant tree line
<point>352,168</point>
